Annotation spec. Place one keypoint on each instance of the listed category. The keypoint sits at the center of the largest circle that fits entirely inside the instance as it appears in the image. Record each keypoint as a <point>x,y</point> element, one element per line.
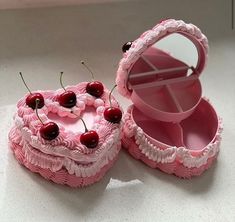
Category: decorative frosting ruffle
<point>171,153</point>
<point>55,163</point>
<point>148,38</point>
<point>66,150</point>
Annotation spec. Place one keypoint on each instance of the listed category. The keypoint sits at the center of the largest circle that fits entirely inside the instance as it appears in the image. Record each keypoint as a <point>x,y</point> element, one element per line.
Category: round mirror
<point>180,48</point>
<point>164,80</point>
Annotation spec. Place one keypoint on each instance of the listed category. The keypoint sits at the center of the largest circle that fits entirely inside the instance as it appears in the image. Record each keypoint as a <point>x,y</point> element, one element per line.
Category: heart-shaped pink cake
<point>64,160</point>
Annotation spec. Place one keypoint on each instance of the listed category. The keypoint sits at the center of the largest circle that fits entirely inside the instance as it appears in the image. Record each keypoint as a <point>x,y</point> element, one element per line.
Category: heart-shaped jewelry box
<point>64,160</point>
<point>169,126</point>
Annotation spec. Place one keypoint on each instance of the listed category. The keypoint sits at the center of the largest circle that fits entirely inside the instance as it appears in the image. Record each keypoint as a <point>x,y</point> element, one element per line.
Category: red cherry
<point>31,100</point>
<point>113,115</point>
<point>126,46</point>
<point>95,88</point>
<point>67,99</point>
<point>32,97</point>
<point>90,139</point>
<point>49,131</point>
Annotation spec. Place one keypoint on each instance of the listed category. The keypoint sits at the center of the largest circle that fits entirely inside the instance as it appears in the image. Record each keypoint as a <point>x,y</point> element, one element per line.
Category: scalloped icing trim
<point>148,38</point>
<point>55,163</point>
<point>66,148</point>
<point>172,153</point>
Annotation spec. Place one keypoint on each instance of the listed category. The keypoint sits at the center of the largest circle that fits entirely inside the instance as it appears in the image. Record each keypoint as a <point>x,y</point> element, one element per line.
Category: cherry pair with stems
<point>68,99</point>
<point>50,131</point>
<point>89,138</point>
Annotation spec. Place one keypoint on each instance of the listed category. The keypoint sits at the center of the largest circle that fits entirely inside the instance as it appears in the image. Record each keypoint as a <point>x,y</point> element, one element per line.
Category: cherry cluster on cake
<point>68,99</point>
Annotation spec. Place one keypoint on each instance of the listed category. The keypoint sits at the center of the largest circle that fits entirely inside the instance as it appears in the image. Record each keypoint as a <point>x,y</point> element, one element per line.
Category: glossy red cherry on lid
<point>126,46</point>
<point>90,139</point>
<point>49,131</point>
<point>31,100</point>
<point>95,88</point>
<point>67,99</point>
<point>32,97</point>
<point>113,115</point>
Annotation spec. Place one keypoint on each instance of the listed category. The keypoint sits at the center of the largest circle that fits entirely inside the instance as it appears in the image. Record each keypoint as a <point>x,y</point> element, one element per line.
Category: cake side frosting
<point>66,150</point>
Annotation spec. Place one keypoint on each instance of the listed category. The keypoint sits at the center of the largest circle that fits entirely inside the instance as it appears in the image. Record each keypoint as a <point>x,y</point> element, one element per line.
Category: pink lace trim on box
<point>172,153</point>
<point>148,38</point>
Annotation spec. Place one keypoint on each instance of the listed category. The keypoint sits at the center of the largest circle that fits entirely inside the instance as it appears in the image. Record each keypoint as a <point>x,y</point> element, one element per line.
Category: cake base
<point>176,168</point>
<point>62,176</point>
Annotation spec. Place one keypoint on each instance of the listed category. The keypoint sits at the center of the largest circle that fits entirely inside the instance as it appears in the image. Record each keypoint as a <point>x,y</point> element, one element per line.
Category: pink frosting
<point>173,159</point>
<point>66,151</point>
<point>148,38</point>
<point>181,161</point>
<point>61,176</point>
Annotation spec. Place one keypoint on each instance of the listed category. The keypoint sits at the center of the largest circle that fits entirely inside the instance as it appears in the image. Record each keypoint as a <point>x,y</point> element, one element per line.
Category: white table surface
<point>42,42</point>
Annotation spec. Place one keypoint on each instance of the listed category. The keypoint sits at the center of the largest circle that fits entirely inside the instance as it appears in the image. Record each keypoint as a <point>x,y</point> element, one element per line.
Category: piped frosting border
<point>148,38</point>
<point>171,153</point>
<point>66,150</point>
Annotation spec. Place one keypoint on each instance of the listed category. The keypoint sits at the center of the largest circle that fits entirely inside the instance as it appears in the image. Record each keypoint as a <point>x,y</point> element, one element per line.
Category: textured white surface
<point>42,42</point>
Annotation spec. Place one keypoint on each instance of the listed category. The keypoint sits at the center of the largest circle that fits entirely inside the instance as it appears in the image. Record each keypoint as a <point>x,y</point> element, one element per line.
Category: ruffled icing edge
<point>148,38</point>
<point>171,153</point>
<point>67,144</point>
<point>55,163</point>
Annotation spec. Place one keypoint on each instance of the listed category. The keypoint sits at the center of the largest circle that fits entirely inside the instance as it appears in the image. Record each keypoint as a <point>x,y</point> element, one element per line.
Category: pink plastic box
<point>169,126</point>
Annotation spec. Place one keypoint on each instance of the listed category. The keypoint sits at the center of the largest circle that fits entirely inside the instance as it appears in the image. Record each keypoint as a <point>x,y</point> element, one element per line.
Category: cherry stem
<point>36,110</point>
<point>25,82</point>
<point>86,130</point>
<point>111,94</point>
<point>194,70</point>
<point>87,67</point>
<point>61,82</point>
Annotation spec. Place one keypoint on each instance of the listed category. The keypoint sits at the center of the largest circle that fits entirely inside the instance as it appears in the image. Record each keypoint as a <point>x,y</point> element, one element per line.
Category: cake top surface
<point>68,143</point>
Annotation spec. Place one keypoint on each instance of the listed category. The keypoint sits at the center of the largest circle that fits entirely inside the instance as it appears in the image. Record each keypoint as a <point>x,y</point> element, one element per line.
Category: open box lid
<point>158,84</point>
